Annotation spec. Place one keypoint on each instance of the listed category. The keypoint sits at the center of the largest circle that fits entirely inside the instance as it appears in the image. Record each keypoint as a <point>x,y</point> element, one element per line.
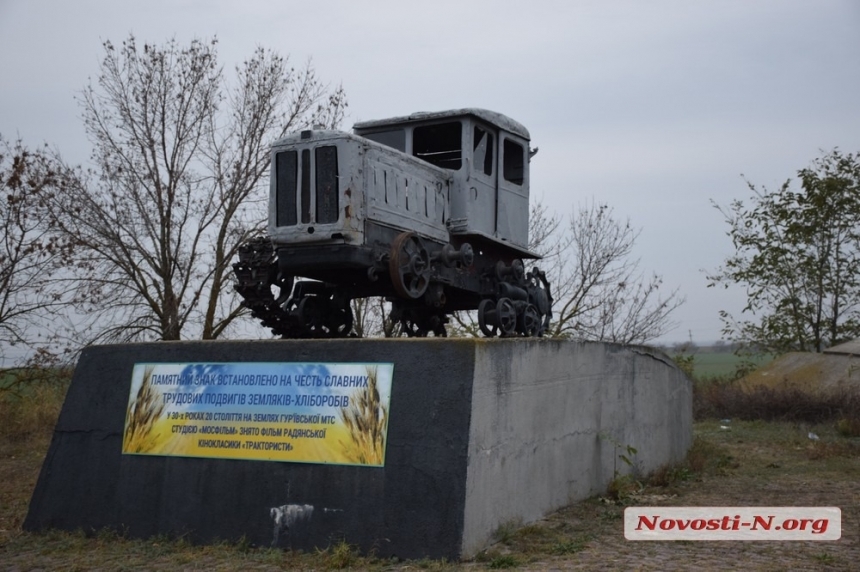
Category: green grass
<point>709,364</point>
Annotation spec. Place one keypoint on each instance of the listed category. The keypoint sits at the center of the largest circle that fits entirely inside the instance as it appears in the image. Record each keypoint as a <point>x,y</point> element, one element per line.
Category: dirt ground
<point>749,464</point>
<point>745,464</point>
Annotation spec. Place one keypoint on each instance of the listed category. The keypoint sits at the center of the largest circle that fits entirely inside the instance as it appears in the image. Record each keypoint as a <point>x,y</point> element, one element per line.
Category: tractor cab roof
<point>497,119</point>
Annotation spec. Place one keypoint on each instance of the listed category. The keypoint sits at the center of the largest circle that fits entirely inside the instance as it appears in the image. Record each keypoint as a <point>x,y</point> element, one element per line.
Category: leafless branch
<point>181,154</point>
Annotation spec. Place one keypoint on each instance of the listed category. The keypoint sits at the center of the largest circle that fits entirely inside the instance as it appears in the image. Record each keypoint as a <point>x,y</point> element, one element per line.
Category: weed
<point>505,532</point>
<point>849,426</point>
<point>726,462</point>
<point>826,450</point>
<point>104,535</point>
<point>531,530</point>
<point>623,488</point>
<point>33,414</point>
<point>668,475</point>
<point>503,561</point>
<point>703,457</point>
<point>21,381</point>
<point>243,545</point>
<point>427,564</point>
<point>568,547</point>
<point>610,515</point>
<point>700,453</point>
<point>485,555</point>
<point>341,555</point>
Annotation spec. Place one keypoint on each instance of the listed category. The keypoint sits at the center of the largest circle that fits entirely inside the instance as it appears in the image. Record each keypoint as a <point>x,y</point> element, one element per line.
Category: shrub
<point>849,426</point>
<point>727,399</point>
<point>30,401</point>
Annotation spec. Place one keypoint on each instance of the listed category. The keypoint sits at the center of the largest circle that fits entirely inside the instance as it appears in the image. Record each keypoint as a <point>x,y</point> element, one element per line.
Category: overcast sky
<point>655,107</point>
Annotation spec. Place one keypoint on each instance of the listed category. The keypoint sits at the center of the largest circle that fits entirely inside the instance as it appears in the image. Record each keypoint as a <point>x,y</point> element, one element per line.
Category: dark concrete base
<point>472,423</point>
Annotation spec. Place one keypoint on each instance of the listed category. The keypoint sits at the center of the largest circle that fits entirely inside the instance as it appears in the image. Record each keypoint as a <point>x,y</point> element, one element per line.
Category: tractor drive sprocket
<point>308,311</point>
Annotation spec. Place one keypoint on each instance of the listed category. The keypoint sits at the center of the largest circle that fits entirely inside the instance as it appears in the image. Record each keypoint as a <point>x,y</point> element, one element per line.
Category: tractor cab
<point>487,155</point>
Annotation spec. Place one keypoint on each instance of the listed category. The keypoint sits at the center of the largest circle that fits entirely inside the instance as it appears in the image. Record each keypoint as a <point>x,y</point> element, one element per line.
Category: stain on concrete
<point>288,516</point>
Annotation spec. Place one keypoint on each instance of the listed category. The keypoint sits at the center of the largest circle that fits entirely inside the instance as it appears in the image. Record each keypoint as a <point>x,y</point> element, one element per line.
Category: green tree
<point>797,254</point>
<point>181,156</point>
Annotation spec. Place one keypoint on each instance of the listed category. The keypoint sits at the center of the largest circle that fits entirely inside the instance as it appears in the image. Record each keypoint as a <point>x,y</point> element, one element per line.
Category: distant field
<point>719,364</point>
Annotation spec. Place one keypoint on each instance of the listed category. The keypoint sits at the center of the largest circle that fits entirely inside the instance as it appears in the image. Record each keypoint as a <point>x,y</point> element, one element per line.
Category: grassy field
<point>740,464</point>
<point>709,364</point>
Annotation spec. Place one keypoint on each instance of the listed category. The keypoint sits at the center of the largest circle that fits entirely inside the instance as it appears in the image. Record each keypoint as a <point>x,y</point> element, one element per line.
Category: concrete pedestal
<point>480,433</point>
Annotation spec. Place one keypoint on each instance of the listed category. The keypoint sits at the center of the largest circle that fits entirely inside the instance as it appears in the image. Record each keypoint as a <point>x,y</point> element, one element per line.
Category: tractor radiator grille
<point>293,181</point>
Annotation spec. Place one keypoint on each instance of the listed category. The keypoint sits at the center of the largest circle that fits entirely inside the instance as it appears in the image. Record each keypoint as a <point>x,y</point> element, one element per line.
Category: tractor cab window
<point>483,151</point>
<point>395,138</point>
<point>439,144</point>
<point>514,162</point>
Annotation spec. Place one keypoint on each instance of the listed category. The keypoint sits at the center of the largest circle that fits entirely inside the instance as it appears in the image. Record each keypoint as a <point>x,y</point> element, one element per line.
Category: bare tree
<point>599,291</point>
<point>372,318</point>
<point>179,156</point>
<point>32,256</point>
<point>367,318</point>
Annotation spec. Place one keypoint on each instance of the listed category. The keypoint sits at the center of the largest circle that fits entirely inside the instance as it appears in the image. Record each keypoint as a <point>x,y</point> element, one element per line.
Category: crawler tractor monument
<point>408,447</point>
<point>430,210</point>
